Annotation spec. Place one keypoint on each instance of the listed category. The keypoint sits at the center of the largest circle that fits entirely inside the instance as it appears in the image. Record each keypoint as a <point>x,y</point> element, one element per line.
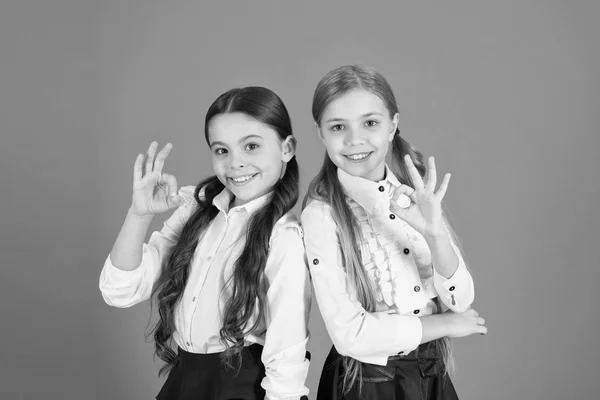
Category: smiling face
<point>248,156</point>
<point>356,129</point>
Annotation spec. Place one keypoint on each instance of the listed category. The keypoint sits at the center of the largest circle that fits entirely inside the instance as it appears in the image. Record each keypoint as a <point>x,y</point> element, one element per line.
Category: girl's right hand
<point>465,323</point>
<point>153,191</point>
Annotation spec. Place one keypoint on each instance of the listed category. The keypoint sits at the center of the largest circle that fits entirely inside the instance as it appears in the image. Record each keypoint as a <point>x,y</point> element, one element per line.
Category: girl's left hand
<point>424,213</point>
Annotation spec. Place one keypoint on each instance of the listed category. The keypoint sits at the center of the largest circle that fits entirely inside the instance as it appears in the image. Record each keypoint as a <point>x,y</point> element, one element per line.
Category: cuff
<point>409,334</point>
<point>460,279</point>
<point>111,272</point>
<point>455,292</point>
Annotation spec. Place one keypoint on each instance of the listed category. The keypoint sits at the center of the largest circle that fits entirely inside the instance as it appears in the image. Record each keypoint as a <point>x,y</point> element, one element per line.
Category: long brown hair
<point>248,284</point>
<point>326,187</point>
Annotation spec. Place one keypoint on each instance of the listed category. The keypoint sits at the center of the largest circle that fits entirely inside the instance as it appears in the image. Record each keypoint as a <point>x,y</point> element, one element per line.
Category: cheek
<point>381,140</point>
<point>333,143</point>
<point>217,165</point>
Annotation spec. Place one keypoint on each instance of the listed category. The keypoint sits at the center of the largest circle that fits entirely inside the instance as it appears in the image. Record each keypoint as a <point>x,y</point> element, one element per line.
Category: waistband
<point>250,358</point>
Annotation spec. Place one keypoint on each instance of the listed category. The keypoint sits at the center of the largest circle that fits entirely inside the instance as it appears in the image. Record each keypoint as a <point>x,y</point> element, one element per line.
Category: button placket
<point>202,279</point>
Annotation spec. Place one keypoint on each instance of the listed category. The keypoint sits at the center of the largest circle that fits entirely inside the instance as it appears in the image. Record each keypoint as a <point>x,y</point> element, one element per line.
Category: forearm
<point>126,253</point>
<point>434,327</point>
<point>443,256</point>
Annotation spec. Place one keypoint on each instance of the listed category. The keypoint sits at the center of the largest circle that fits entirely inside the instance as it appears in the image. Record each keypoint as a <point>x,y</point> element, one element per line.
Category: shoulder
<point>187,193</point>
<point>189,204</point>
<point>287,226</point>
<point>316,213</point>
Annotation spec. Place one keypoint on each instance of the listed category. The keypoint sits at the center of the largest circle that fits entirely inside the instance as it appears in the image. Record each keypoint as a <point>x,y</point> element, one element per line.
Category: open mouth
<point>358,157</point>
<point>242,180</point>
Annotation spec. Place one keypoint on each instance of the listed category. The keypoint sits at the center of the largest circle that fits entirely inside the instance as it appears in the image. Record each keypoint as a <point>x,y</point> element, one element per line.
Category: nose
<point>354,137</point>
<point>236,160</point>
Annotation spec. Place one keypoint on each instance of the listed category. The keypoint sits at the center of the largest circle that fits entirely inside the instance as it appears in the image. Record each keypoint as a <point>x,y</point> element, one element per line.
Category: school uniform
<point>398,263</point>
<point>274,360</point>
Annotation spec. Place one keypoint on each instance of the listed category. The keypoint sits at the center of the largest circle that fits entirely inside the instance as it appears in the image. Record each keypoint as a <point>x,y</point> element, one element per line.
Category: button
<point>381,188</point>
<point>194,299</point>
<point>416,311</point>
<point>406,251</point>
<point>417,288</point>
<point>451,288</point>
<point>316,261</point>
<point>392,216</point>
<point>209,258</point>
<point>401,353</point>
<point>188,343</point>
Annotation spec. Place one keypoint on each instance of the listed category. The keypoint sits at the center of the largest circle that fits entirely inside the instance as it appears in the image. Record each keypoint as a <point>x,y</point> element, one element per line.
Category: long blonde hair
<point>326,187</point>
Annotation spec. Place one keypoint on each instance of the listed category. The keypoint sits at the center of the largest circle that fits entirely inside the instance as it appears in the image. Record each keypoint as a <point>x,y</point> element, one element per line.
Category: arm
<point>132,268</point>
<point>288,306</point>
<point>451,278</point>
<point>368,337</point>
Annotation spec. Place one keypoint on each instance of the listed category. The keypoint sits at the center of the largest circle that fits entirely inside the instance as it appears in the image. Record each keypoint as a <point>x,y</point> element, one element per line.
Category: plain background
<point>505,94</point>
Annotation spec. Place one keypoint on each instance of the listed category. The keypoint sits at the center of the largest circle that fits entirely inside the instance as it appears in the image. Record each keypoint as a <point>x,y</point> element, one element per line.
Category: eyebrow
<point>362,116</point>
<point>251,136</point>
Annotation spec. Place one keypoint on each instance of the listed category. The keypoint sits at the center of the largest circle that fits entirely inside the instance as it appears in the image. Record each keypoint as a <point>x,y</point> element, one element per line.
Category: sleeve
<point>121,288</point>
<point>457,292</point>
<point>366,336</point>
<point>288,307</point>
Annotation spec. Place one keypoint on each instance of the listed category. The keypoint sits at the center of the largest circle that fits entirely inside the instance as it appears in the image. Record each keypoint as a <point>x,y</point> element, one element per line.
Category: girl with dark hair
<point>227,270</point>
<point>385,264</point>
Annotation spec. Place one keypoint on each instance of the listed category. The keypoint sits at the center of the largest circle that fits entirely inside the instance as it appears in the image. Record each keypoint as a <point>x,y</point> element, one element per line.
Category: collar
<point>223,200</point>
<point>368,194</point>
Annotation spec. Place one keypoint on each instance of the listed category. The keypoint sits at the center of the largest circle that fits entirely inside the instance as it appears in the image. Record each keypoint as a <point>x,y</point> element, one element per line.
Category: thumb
<point>173,198</point>
<point>402,195</point>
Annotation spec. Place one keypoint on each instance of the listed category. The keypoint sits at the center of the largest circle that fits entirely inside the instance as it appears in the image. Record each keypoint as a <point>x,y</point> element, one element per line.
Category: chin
<point>245,195</point>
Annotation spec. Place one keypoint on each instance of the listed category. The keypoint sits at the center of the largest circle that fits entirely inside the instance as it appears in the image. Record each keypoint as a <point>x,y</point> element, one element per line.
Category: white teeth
<point>241,179</point>
<point>359,156</point>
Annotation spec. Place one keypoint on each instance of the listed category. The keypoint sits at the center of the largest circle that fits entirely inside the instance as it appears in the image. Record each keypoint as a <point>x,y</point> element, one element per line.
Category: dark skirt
<point>201,376</point>
<point>418,375</point>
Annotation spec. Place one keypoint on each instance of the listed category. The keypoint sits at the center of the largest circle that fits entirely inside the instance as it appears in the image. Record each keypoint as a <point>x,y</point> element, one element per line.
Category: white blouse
<point>398,262</point>
<point>198,316</point>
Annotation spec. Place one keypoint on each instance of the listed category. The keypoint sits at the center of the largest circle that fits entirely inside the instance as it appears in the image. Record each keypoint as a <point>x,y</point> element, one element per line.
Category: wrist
<point>143,218</point>
<point>435,237</point>
<point>436,326</point>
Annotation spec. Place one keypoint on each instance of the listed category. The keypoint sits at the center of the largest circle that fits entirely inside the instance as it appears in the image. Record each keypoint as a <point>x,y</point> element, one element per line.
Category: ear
<point>288,148</point>
<point>319,132</point>
<point>394,126</point>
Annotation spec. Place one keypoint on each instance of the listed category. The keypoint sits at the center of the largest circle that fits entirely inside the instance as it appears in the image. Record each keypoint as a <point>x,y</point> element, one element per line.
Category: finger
<point>431,175</point>
<point>161,157</point>
<point>173,198</point>
<point>414,173</point>
<point>171,182</point>
<point>480,321</point>
<point>150,156</point>
<point>443,186</point>
<point>481,329</point>
<point>403,196</point>
<point>137,168</point>
<point>402,189</point>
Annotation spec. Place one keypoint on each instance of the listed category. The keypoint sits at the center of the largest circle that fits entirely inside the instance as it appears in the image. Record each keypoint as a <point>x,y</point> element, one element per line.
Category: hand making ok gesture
<point>424,213</point>
<point>154,192</point>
